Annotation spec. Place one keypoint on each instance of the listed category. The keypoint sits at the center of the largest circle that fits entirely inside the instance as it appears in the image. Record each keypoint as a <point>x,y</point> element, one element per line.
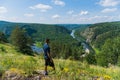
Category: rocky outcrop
<point>14,75</point>
<point>9,75</point>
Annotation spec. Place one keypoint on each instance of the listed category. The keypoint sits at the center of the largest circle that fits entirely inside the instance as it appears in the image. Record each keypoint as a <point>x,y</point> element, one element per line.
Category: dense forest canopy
<point>102,39</point>
<point>105,40</point>
<point>62,43</point>
<point>97,34</point>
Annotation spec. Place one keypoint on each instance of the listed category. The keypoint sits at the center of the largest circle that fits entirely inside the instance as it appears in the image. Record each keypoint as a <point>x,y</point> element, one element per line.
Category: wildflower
<point>66,69</point>
<point>107,77</point>
<point>13,69</point>
<point>17,70</point>
<point>79,71</point>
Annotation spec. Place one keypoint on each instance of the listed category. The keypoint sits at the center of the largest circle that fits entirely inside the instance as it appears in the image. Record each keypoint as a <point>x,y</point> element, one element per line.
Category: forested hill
<point>74,26</point>
<point>98,33</point>
<point>38,31</point>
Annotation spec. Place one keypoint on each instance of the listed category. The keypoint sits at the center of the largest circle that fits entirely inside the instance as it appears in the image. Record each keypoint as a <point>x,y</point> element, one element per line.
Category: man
<point>47,56</point>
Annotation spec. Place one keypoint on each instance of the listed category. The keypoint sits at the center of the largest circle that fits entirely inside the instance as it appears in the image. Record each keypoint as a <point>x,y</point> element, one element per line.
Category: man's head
<point>47,40</point>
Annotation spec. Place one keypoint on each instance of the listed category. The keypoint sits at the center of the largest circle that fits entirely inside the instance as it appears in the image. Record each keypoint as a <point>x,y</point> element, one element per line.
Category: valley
<point>90,51</point>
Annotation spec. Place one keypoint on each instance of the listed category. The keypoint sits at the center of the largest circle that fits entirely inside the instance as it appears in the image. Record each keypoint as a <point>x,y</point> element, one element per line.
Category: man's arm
<point>49,55</point>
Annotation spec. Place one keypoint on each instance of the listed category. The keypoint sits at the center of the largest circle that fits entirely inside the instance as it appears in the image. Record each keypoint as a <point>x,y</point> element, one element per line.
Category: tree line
<point>64,48</point>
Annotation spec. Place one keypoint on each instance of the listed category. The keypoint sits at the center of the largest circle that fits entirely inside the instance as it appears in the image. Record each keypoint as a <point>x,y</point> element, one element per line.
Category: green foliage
<point>2,49</point>
<point>1,70</point>
<point>20,40</point>
<point>110,52</point>
<point>67,50</point>
<point>39,44</point>
<point>97,34</point>
<point>3,38</point>
<point>91,59</point>
<point>118,63</point>
<point>39,32</point>
<point>65,69</point>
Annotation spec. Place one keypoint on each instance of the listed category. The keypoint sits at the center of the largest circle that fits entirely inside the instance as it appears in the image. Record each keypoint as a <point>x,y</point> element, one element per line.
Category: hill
<point>74,26</point>
<point>37,31</point>
<point>61,42</point>
<point>16,66</point>
<point>98,33</point>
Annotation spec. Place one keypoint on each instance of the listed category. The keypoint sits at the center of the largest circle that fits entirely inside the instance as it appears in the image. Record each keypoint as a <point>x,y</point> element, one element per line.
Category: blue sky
<point>60,11</point>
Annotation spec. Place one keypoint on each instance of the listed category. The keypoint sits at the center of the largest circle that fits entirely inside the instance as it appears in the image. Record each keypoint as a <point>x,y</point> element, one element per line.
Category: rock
<point>95,78</point>
<point>0,78</point>
<point>8,75</point>
<point>41,72</point>
<point>14,75</point>
<point>38,77</point>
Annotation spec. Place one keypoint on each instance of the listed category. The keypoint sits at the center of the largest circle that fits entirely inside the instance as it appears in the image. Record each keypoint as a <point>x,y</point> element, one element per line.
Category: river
<point>37,49</point>
<point>84,44</point>
<point>72,33</point>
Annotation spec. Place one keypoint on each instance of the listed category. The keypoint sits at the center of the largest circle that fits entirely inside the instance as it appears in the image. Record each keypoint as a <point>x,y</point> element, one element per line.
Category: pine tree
<point>2,37</point>
<point>110,52</point>
<point>20,40</point>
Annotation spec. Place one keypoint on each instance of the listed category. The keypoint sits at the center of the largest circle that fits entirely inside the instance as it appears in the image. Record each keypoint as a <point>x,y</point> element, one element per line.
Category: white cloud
<point>97,18</point>
<point>13,18</point>
<point>58,2</point>
<point>70,12</point>
<point>2,17</point>
<point>42,7</point>
<point>83,13</point>
<point>107,3</point>
<point>91,19</point>
<point>3,9</point>
<point>56,16</point>
<point>107,10</point>
<point>29,15</point>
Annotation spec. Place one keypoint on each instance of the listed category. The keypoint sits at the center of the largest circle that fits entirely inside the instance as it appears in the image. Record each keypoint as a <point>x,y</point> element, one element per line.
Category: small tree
<point>110,52</point>
<point>2,37</point>
<point>20,40</point>
<point>90,58</point>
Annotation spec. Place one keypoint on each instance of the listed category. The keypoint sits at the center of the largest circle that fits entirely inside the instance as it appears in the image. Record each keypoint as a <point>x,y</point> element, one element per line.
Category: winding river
<point>85,45</point>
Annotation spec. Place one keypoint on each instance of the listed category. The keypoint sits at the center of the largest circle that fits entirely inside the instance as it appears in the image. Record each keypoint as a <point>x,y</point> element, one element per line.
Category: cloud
<point>91,19</point>
<point>29,15</point>
<point>107,10</point>
<point>70,12</point>
<point>3,9</point>
<point>107,3</point>
<point>13,18</point>
<point>56,16</point>
<point>83,13</point>
<point>58,2</point>
<point>2,17</point>
<point>42,7</point>
<point>99,18</point>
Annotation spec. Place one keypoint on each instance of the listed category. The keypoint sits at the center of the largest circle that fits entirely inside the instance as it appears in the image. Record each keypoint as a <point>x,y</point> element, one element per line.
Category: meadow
<point>66,69</point>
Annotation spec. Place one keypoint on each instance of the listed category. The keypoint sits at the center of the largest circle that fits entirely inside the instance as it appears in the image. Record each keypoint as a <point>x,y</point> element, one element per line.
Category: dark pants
<point>48,62</point>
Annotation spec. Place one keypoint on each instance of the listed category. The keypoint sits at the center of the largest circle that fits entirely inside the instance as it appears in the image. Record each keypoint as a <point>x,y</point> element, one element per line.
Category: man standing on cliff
<point>47,56</point>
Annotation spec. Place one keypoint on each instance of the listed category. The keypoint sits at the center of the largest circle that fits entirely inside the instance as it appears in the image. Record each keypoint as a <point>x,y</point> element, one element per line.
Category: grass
<point>10,60</point>
<point>97,51</point>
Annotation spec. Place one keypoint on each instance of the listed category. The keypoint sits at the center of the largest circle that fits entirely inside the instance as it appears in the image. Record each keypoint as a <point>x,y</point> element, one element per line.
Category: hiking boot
<point>46,73</point>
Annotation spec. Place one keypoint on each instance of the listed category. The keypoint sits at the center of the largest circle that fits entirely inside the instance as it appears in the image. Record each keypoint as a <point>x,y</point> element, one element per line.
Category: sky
<point>60,11</point>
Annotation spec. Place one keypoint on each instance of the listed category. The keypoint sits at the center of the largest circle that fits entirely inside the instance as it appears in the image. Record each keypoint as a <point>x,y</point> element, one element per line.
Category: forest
<point>102,41</point>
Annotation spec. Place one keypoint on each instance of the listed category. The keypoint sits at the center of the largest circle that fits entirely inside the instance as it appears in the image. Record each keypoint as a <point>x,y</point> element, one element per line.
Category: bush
<point>2,49</point>
<point>20,40</point>
<point>90,58</point>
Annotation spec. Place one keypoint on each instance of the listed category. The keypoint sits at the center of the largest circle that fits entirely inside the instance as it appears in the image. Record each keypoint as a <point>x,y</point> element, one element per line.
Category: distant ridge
<point>98,33</point>
<point>37,31</point>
